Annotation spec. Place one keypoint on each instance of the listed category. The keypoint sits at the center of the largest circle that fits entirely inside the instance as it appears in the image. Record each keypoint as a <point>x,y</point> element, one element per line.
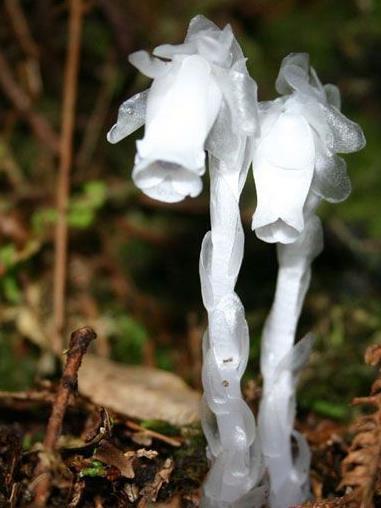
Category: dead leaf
<point>141,438</point>
<point>151,491</point>
<point>148,454</point>
<point>175,502</point>
<point>112,456</point>
<point>132,492</point>
<point>138,392</point>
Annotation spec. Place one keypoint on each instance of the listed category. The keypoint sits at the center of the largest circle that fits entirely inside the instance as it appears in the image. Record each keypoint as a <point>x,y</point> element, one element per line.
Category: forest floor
<point>59,449</point>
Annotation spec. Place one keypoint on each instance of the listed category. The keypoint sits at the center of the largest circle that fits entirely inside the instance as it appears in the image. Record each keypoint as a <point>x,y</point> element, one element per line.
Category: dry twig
<point>95,123</point>
<point>66,157</point>
<point>79,342</point>
<point>23,104</point>
<point>124,30</point>
<point>21,28</point>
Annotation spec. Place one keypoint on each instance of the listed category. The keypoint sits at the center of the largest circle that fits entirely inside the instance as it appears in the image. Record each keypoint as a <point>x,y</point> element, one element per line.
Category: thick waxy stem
<point>280,362</point>
<point>228,423</point>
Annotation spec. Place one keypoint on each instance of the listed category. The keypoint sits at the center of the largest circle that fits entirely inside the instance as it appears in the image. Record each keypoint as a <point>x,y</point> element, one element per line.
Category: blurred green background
<point>133,265</point>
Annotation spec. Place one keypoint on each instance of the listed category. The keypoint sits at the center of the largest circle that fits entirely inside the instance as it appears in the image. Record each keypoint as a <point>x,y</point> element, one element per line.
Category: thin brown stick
<point>95,123</point>
<point>21,28</point>
<point>66,157</point>
<point>79,342</point>
<point>124,30</point>
<point>40,126</point>
<point>31,65</point>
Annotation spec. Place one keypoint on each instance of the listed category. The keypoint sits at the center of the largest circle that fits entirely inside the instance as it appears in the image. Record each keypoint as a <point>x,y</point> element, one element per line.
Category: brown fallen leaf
<point>151,491</point>
<point>138,392</point>
<point>141,438</point>
<point>132,492</point>
<point>148,454</point>
<point>175,502</point>
<point>113,456</point>
<point>77,494</point>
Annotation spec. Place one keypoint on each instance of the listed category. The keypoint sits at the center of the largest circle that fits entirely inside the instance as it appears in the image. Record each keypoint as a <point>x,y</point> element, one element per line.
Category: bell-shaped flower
<point>301,133</point>
<point>199,87</point>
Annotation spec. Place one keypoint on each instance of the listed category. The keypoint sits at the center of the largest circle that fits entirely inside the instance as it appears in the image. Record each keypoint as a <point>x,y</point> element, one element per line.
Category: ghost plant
<point>202,98</point>
<point>295,166</point>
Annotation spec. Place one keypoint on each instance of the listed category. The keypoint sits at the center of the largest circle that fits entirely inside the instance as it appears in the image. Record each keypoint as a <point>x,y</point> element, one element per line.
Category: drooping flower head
<point>296,155</point>
<point>201,98</point>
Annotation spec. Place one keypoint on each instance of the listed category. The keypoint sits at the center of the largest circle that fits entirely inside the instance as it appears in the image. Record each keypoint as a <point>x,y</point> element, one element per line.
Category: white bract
<point>202,98</point>
<point>295,166</point>
<point>301,134</point>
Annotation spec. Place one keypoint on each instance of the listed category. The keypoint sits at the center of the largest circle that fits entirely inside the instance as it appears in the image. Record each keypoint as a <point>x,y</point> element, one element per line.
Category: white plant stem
<point>228,423</point>
<point>280,361</point>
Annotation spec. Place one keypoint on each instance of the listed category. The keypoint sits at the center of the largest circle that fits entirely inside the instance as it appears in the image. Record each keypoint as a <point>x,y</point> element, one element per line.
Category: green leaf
<point>95,469</point>
<point>41,219</point>
<point>7,255</point>
<point>333,410</point>
<point>96,193</point>
<point>160,426</point>
<point>11,289</point>
<point>80,217</point>
<point>131,340</point>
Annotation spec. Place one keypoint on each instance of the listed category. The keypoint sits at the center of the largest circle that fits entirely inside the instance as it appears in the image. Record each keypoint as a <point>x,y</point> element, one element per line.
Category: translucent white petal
<point>315,81</point>
<point>347,135</point>
<point>293,73</point>
<point>283,169</point>
<point>212,49</point>
<point>146,64</point>
<point>181,109</point>
<point>226,36</point>
<point>131,116</point>
<point>269,112</point>
<point>289,144</point>
<point>312,112</point>
<point>297,358</point>
<point>333,95</point>
<point>171,50</point>
<point>245,98</point>
<point>164,192</point>
<point>331,181</point>
<point>235,48</point>
<point>223,143</point>
<point>240,95</point>
<point>187,184</point>
<point>166,181</point>
<point>200,24</point>
<point>280,198</point>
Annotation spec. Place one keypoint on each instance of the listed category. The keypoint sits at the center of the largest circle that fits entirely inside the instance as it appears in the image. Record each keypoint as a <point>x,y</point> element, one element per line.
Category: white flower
<point>296,153</point>
<point>182,106</point>
<point>200,81</point>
